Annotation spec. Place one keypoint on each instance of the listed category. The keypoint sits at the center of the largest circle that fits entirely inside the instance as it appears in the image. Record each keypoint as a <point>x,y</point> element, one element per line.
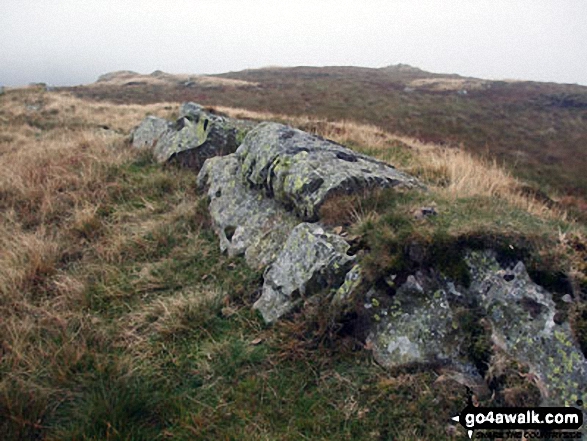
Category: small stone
<point>424,212</point>
<point>451,430</point>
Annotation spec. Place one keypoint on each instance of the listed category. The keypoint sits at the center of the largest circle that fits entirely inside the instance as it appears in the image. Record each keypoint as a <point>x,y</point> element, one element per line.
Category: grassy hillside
<point>537,130</point>
<point>121,319</point>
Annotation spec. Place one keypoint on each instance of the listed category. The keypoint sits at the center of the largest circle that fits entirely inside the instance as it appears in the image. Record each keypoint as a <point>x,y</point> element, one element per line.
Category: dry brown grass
<point>164,79</point>
<point>447,84</point>
<point>452,172</point>
<point>169,317</point>
<point>56,156</point>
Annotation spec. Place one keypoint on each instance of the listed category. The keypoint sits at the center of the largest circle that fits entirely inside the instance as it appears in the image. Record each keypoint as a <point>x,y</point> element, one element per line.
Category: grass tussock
<point>68,187</point>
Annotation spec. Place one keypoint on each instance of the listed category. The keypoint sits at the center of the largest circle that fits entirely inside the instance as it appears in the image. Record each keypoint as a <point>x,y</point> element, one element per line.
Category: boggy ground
<point>121,319</point>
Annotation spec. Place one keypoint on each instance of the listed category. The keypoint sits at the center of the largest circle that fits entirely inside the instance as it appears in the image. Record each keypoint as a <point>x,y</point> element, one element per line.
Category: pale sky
<point>70,42</point>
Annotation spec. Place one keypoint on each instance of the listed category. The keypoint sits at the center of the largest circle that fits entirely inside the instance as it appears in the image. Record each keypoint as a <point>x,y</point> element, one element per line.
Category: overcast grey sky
<point>68,42</point>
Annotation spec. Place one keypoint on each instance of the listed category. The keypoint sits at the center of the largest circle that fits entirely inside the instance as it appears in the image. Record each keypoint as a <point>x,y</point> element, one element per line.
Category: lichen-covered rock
<point>184,135</point>
<point>417,326</point>
<point>521,315</point>
<point>195,111</point>
<point>148,132</point>
<point>343,297</point>
<point>222,135</point>
<point>302,171</point>
<point>311,260</point>
<point>196,136</point>
<point>422,323</point>
<point>245,221</point>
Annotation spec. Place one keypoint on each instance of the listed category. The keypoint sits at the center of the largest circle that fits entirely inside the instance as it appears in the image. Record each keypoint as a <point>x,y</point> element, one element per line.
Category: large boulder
<point>183,136</point>
<point>301,170</point>
<point>200,135</point>
<point>311,261</point>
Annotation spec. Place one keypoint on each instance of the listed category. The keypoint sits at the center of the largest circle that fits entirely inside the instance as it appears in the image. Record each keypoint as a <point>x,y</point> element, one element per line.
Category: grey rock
<point>148,132</point>
<point>311,260</point>
<point>342,299</point>
<point>198,135</point>
<point>245,221</point>
<point>184,135</point>
<point>521,314</point>
<point>194,111</point>
<point>420,325</point>
<point>416,327</point>
<point>301,170</point>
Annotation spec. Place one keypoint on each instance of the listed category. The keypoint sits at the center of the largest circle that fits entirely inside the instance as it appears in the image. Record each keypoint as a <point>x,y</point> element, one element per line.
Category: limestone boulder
<point>302,170</point>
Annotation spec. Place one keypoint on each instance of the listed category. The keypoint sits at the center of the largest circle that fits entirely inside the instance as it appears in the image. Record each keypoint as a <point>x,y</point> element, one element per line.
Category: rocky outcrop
<point>428,321</point>
<point>301,170</point>
<point>245,221</point>
<point>522,318</point>
<point>265,198</point>
<point>260,196</point>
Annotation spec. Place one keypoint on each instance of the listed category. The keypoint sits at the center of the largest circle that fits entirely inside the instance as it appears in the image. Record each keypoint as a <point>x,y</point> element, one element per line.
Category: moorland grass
<point>122,320</point>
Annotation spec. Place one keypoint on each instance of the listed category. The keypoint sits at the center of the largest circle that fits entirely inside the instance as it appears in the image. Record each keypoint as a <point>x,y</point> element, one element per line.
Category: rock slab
<point>301,170</point>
